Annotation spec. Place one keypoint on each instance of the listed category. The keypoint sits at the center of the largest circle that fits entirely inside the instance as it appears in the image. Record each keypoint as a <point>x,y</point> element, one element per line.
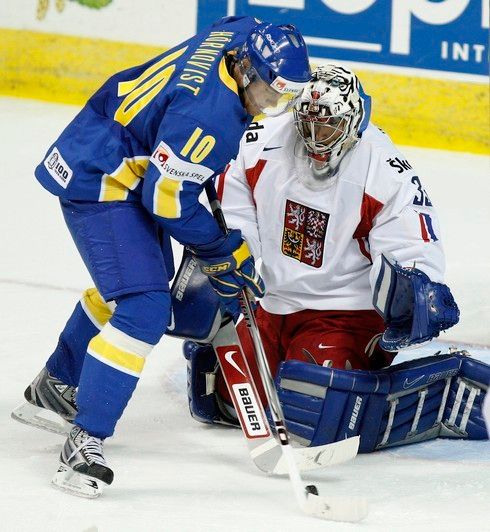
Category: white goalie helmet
<point>330,116</point>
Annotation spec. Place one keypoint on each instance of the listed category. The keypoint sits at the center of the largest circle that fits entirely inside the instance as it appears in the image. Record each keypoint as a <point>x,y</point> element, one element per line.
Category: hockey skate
<point>83,470</point>
<point>50,404</point>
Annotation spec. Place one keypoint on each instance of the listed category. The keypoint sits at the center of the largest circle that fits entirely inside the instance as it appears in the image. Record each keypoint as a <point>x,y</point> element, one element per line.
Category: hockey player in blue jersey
<point>129,170</point>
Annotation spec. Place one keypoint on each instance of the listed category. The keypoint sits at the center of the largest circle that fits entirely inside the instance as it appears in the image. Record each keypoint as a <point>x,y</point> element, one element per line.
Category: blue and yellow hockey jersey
<point>156,132</point>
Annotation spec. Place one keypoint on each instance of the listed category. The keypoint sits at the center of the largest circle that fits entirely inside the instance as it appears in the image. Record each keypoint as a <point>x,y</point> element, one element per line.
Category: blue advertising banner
<point>441,35</point>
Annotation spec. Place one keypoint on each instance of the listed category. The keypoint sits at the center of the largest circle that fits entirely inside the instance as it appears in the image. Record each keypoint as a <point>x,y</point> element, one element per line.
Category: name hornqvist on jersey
<point>200,62</point>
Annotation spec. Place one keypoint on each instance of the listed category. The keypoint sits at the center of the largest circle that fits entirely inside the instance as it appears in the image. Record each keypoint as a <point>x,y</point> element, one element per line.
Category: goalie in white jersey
<point>320,194</point>
<point>353,266</point>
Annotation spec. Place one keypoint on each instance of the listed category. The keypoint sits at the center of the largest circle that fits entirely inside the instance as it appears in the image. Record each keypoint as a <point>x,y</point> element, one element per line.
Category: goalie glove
<point>229,266</point>
<point>414,308</point>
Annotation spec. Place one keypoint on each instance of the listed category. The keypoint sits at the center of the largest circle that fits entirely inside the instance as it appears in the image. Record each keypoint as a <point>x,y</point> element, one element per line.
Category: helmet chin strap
<point>320,157</point>
<point>319,164</point>
<point>313,170</point>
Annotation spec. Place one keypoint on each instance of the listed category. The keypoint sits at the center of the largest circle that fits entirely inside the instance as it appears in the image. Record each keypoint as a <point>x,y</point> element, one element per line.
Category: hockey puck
<point>312,489</point>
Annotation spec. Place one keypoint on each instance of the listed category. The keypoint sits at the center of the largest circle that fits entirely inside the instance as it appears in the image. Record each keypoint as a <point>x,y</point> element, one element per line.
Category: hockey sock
<point>89,316</point>
<point>115,359</point>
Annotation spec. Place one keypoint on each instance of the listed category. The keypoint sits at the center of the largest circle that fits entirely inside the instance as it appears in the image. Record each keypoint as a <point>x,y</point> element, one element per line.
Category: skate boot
<point>83,470</point>
<point>50,404</point>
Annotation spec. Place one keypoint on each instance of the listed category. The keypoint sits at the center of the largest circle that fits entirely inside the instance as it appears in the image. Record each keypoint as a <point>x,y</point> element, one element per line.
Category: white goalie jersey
<point>321,248</point>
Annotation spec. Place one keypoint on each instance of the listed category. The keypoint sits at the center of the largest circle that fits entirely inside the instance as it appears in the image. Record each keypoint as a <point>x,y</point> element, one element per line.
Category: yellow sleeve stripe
<point>118,359</point>
<point>112,190</point>
<point>166,201</point>
<point>130,171</point>
<point>241,254</point>
<point>225,77</point>
<point>116,186</point>
<point>96,309</point>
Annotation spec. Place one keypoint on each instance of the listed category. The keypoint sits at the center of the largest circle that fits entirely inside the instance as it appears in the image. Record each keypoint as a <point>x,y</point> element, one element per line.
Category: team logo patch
<point>58,168</point>
<point>304,233</point>
<point>172,166</point>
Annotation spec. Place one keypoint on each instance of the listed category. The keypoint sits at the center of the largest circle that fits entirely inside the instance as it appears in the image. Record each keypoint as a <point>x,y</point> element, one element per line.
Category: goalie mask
<point>330,116</point>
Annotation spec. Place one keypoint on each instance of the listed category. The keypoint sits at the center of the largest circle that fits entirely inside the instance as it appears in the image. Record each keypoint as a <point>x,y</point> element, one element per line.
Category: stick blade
<point>311,458</point>
<point>346,509</point>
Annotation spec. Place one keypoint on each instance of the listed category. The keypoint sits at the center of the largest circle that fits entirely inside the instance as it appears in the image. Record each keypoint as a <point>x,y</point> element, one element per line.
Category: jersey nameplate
<point>252,133</point>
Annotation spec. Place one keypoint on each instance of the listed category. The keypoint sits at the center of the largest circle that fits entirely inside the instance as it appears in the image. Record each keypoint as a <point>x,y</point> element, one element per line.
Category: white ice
<point>173,474</point>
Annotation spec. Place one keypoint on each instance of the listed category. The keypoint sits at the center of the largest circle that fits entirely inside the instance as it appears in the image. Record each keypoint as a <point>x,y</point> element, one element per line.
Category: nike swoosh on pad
<point>229,359</point>
<point>409,384</point>
<point>321,346</point>
<point>272,148</point>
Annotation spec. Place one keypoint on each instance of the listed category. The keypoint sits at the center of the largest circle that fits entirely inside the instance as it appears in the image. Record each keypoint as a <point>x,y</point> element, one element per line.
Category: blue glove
<point>414,308</point>
<point>230,266</point>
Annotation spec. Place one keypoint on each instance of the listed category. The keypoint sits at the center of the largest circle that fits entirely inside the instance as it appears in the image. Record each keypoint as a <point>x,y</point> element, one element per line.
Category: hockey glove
<point>414,308</point>
<point>230,266</point>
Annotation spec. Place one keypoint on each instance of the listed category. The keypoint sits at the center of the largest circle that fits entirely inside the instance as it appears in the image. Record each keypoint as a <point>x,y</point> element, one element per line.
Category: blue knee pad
<point>143,316</point>
<point>437,396</point>
<point>120,246</point>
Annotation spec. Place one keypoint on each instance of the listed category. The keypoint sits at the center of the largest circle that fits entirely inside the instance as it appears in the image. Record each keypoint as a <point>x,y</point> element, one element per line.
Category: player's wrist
<point>223,246</point>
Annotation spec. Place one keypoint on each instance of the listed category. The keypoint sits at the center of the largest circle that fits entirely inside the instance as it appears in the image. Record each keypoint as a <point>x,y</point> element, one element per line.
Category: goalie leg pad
<point>441,395</point>
<point>205,404</point>
<point>463,416</point>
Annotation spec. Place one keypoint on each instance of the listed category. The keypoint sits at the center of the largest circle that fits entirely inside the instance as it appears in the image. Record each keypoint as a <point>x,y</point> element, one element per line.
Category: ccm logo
<point>216,268</point>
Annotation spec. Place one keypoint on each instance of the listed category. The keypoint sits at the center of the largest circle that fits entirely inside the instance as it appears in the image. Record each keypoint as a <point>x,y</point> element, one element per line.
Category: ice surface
<point>173,474</point>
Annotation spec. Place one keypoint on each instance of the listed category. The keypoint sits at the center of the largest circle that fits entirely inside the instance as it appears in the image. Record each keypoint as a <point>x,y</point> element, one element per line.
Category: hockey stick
<point>338,509</point>
<point>264,449</point>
